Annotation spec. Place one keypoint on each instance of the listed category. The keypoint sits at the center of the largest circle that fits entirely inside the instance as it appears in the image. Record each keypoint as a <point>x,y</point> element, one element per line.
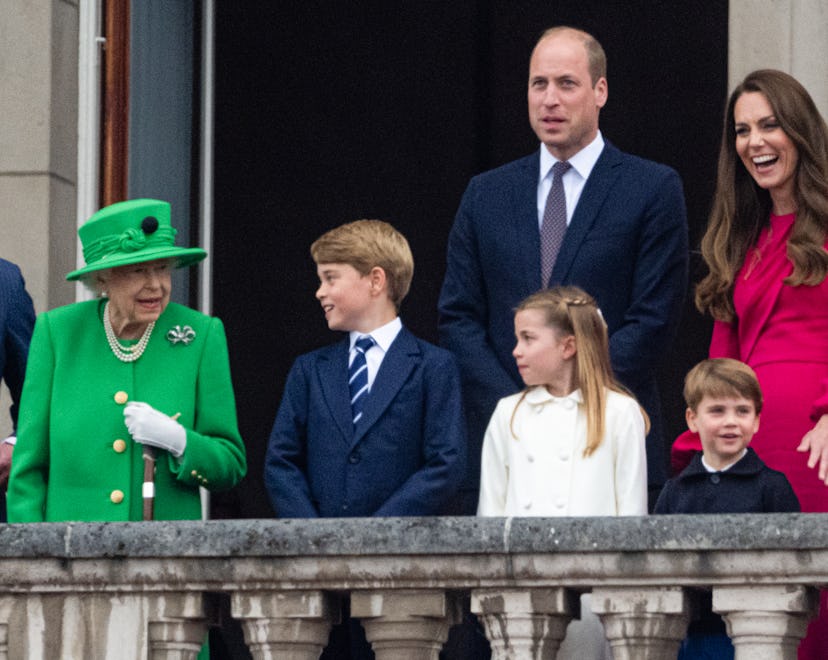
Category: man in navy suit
<point>625,242</point>
<point>17,319</point>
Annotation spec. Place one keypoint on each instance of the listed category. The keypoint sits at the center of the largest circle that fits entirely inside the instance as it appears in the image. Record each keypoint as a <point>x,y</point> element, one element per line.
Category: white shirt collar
<point>382,336</point>
<point>726,467</point>
<point>582,162</point>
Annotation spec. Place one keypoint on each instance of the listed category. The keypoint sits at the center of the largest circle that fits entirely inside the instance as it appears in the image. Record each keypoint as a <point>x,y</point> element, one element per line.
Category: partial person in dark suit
<point>372,425</point>
<point>624,241</point>
<point>17,317</point>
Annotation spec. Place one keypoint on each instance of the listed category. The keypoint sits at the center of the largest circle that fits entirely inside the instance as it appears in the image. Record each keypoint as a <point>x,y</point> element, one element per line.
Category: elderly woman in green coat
<point>111,378</point>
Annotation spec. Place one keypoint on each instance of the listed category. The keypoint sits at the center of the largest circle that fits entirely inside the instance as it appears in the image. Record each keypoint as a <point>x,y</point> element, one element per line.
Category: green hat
<point>130,233</point>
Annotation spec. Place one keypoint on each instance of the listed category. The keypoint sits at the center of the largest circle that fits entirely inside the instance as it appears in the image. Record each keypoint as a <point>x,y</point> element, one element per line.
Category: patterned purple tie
<point>554,222</point>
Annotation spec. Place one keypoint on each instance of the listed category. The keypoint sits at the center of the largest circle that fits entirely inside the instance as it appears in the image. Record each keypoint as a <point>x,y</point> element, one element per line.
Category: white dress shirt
<point>574,179</point>
<point>383,338</point>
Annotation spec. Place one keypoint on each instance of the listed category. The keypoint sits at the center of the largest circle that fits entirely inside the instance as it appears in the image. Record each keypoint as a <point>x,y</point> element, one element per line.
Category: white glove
<point>151,427</point>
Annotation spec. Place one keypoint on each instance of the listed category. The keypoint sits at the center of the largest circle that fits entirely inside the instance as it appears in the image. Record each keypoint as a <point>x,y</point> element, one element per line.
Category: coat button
<point>194,473</point>
<point>354,458</point>
<point>121,397</point>
<point>715,478</point>
<point>117,496</point>
<point>119,446</point>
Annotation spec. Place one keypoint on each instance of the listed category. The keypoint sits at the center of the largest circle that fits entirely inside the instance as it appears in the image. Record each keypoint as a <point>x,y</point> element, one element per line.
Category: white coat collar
<point>539,396</point>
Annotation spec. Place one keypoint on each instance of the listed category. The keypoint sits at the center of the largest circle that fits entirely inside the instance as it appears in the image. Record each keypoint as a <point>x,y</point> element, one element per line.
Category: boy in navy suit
<point>372,425</point>
<point>396,447</point>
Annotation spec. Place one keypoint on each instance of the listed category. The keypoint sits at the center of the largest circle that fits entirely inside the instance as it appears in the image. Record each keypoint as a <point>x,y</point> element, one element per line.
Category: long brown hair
<point>741,208</point>
<point>571,311</point>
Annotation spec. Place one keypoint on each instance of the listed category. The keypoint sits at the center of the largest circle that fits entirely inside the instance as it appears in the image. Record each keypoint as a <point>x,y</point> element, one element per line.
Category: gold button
<point>121,397</point>
<point>119,446</point>
<point>194,473</point>
<point>117,496</point>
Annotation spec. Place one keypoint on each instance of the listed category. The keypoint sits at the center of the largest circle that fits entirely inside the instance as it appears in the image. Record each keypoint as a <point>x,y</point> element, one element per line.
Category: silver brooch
<point>178,334</point>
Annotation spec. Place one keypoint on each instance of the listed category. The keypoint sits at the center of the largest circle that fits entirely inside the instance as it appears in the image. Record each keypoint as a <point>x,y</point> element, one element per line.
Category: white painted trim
<point>205,283</point>
<point>89,118</point>
<point>205,303</point>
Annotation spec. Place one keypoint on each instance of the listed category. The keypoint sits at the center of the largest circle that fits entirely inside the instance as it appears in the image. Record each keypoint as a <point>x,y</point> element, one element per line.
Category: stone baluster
<point>524,623</point>
<point>5,613</point>
<point>644,623</point>
<point>177,626</point>
<point>289,625</point>
<point>405,624</point>
<point>766,622</point>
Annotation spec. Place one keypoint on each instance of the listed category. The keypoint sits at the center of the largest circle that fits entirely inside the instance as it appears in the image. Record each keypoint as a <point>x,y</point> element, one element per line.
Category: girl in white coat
<point>572,443</point>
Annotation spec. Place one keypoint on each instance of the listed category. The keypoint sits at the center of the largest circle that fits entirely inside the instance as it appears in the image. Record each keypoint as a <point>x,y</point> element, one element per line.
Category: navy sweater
<point>749,486</point>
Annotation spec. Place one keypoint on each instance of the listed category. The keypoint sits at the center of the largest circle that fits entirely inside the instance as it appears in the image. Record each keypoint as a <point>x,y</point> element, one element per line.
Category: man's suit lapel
<point>526,213</point>
<point>396,367</point>
<point>333,377</point>
<point>597,187</point>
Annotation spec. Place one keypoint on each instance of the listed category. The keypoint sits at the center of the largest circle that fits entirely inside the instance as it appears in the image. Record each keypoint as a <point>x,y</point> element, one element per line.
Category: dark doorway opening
<point>328,112</point>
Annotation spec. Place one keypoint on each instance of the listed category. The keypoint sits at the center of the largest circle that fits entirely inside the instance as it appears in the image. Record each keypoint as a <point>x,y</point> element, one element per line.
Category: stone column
<point>405,625</point>
<point>789,35</point>
<point>289,625</point>
<point>177,627</point>
<point>5,612</point>
<point>766,622</point>
<point>524,623</point>
<point>642,624</point>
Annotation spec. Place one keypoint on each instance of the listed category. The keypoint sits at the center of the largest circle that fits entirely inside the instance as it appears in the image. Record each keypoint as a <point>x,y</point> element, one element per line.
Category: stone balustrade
<point>150,590</point>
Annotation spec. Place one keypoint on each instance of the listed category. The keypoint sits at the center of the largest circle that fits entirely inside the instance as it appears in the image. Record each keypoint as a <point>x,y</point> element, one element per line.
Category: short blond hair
<point>721,377</point>
<point>365,244</point>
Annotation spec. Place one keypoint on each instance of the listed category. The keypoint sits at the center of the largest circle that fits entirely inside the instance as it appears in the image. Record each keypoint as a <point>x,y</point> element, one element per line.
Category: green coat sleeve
<point>215,455</point>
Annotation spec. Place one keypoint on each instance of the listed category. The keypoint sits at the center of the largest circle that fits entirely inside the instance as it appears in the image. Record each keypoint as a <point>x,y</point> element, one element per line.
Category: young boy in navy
<point>373,427</point>
<point>724,401</point>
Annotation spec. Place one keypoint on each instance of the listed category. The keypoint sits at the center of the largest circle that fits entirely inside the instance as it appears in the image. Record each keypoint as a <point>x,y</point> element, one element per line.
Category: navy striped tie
<point>358,377</point>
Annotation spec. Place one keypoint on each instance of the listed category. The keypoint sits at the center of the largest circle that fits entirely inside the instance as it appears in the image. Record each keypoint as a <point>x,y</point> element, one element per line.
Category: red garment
<point>782,333</point>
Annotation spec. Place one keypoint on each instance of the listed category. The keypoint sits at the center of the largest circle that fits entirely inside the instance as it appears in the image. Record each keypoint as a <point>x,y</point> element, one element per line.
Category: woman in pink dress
<point>765,248</point>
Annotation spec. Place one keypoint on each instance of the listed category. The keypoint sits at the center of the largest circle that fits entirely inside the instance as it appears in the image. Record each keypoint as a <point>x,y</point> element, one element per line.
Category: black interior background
<point>329,110</point>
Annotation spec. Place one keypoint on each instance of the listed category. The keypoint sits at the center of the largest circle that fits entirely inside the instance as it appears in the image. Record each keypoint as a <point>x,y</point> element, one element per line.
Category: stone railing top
<point>444,536</point>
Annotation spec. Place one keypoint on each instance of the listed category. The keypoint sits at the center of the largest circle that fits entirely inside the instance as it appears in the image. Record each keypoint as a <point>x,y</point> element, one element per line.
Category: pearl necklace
<point>125,353</point>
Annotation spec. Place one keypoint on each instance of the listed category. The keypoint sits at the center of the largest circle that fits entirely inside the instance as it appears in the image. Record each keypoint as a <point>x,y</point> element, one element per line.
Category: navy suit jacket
<point>17,319</point>
<point>406,455</point>
<point>626,245</point>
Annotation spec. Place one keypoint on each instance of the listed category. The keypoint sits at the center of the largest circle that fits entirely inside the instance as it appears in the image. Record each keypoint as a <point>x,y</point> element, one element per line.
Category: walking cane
<point>148,487</point>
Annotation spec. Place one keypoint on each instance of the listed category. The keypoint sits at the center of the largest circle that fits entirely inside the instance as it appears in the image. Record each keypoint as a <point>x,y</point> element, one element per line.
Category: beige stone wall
<point>38,147</point>
<point>791,35</point>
